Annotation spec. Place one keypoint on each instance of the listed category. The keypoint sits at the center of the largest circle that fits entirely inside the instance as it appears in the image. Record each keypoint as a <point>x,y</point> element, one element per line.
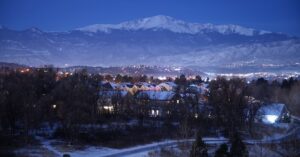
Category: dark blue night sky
<point>61,15</point>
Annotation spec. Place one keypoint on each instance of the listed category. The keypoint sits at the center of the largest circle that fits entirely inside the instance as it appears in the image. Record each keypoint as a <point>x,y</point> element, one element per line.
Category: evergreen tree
<point>199,148</point>
<point>119,78</point>
<point>238,148</point>
<point>222,151</point>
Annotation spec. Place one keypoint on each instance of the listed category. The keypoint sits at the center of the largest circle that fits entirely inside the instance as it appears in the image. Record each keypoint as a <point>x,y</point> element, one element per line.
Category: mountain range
<point>158,40</point>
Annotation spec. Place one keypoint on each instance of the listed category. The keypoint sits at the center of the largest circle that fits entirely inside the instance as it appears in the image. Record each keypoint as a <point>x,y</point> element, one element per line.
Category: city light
<point>162,77</point>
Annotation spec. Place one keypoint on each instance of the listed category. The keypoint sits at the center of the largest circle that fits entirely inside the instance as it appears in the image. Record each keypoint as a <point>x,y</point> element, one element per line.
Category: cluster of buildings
<point>154,100</point>
<point>165,99</point>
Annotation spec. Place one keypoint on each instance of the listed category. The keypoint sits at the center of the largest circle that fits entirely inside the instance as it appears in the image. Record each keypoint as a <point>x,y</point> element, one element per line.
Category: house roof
<point>109,85</point>
<point>169,84</point>
<point>157,95</point>
<point>271,109</point>
<point>114,85</point>
<point>145,84</point>
<point>113,93</point>
<point>126,84</point>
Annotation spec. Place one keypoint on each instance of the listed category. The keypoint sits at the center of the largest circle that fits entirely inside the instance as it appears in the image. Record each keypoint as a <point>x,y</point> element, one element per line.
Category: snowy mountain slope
<point>268,53</point>
<point>158,40</point>
<point>174,25</point>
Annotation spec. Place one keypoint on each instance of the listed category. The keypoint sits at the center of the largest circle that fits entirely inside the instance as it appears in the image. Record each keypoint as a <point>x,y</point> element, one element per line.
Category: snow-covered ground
<point>255,151</point>
<point>52,149</point>
<point>48,148</point>
<point>92,152</point>
<point>142,150</point>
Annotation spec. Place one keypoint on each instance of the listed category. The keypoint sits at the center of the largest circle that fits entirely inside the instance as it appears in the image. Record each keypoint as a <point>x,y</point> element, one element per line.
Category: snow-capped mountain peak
<point>34,30</point>
<point>172,24</point>
<point>158,21</point>
<point>157,40</point>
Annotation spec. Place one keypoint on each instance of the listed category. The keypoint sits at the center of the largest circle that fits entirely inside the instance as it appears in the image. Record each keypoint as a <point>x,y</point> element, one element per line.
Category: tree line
<point>30,99</point>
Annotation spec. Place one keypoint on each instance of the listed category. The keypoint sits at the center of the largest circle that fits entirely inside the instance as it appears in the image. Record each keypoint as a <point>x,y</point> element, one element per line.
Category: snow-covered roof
<point>200,89</point>
<point>145,84</point>
<point>109,85</point>
<point>193,85</point>
<point>114,85</point>
<point>113,93</point>
<point>271,109</point>
<point>157,95</point>
<point>172,84</point>
<point>205,85</point>
<point>126,85</point>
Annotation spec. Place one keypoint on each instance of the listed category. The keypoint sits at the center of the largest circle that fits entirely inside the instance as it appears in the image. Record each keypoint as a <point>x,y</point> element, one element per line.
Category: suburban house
<point>168,86</point>
<point>158,103</point>
<point>200,90</point>
<point>109,100</point>
<point>143,86</point>
<point>150,99</point>
<point>108,86</point>
<point>131,88</point>
<point>273,113</point>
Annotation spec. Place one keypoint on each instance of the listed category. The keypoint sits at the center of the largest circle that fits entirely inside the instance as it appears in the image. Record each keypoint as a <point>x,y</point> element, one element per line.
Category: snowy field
<point>49,149</point>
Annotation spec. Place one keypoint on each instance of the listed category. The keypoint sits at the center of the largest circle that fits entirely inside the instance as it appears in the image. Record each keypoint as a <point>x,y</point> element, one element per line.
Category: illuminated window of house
<point>196,115</point>
<point>108,108</point>
<point>152,113</point>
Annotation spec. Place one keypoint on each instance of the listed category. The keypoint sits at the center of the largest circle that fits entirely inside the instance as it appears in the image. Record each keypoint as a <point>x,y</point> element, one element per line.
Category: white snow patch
<point>92,152</point>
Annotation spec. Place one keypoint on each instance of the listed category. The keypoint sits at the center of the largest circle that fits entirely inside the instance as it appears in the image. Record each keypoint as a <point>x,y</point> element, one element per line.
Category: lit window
<point>108,108</point>
<point>196,115</point>
<point>152,113</point>
<point>271,118</point>
<point>209,115</point>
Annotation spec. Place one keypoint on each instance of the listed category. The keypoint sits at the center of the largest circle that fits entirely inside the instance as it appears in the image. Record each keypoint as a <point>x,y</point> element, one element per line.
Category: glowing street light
<point>54,106</point>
